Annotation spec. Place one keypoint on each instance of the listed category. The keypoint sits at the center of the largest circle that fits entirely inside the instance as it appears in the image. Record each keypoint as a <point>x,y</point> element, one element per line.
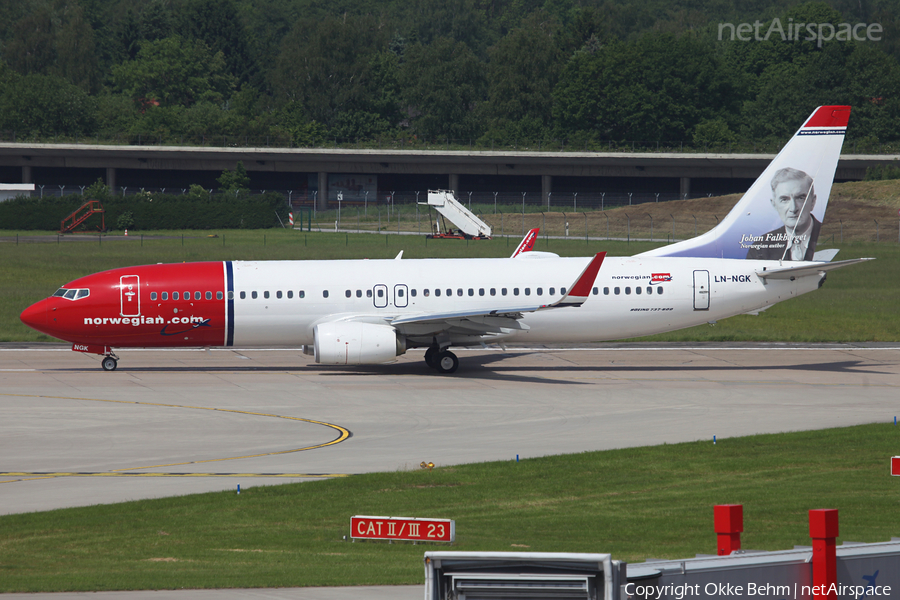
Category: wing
<point>503,318</point>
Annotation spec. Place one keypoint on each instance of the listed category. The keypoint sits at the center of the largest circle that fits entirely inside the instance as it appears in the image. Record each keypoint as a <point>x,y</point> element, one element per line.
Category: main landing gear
<point>442,361</point>
<point>109,362</point>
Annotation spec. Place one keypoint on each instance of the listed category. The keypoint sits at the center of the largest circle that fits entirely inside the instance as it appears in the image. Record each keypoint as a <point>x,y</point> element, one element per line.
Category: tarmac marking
<point>24,476</point>
<point>343,434</point>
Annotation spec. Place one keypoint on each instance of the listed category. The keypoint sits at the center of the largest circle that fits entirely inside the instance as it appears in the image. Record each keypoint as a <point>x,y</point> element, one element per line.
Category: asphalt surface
<point>177,422</point>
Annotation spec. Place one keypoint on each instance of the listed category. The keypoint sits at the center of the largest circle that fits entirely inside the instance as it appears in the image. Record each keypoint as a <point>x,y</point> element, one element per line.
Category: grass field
<point>634,503</point>
<point>856,304</point>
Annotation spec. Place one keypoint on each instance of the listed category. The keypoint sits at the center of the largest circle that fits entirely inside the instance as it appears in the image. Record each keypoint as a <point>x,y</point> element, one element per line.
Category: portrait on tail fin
<point>793,198</point>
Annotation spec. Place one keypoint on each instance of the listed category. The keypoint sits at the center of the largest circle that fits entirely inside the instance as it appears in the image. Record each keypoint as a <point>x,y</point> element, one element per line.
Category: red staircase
<point>81,215</point>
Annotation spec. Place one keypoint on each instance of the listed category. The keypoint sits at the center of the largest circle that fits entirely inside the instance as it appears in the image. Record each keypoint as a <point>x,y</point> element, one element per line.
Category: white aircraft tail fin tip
<point>780,216</point>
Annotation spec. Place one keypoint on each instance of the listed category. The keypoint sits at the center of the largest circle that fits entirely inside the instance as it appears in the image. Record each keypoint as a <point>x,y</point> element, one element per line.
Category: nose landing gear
<point>109,362</point>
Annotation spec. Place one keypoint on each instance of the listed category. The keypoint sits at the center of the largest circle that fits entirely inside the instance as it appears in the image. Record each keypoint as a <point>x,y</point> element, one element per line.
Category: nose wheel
<point>109,363</point>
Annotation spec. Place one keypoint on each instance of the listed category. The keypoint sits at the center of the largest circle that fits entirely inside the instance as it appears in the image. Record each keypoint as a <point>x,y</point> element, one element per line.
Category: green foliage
<point>174,71</point>
<point>150,211</point>
<point>523,69</point>
<point>442,82</point>
<point>879,172</point>
<point>234,182</point>
<point>311,72</point>
<point>330,67</point>
<point>44,105</point>
<point>125,220</point>
<point>98,191</point>
<point>54,38</point>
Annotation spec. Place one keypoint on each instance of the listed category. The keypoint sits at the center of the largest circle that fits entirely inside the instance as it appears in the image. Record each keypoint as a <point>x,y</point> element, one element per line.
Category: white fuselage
<point>632,296</point>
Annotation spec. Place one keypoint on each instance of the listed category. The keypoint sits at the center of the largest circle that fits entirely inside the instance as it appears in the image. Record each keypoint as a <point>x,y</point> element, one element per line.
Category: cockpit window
<point>72,294</point>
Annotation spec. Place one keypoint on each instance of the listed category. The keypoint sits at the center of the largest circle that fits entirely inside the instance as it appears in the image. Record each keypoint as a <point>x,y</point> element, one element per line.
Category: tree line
<point>476,72</point>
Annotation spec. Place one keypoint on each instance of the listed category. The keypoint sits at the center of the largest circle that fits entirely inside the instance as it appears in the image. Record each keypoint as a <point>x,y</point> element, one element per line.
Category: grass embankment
<point>635,503</point>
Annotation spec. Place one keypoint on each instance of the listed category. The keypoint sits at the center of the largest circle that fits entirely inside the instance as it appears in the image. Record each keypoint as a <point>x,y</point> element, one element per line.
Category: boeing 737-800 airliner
<point>352,312</point>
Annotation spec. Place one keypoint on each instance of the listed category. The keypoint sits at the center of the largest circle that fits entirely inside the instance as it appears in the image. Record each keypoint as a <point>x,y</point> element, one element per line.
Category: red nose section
<point>35,316</point>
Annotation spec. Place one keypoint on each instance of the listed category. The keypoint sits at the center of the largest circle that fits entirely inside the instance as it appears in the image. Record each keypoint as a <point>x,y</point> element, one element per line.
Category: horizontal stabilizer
<point>808,269</point>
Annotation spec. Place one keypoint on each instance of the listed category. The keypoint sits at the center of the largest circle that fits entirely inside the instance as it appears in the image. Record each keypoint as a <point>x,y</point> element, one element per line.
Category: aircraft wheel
<point>109,363</point>
<point>429,356</point>
<point>446,362</point>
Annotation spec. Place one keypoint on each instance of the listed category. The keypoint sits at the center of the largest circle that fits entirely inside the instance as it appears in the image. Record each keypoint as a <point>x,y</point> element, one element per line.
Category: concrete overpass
<point>280,168</point>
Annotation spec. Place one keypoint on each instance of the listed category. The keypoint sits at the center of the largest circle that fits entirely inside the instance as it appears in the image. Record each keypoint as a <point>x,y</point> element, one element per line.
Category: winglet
<point>527,243</point>
<point>581,289</point>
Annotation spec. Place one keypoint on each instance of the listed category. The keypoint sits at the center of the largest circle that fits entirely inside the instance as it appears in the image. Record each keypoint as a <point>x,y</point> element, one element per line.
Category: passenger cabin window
<point>348,293</point>
<point>471,292</point>
<point>399,292</point>
<point>413,292</point>
<point>301,294</point>
<point>637,290</point>
<point>606,291</point>
<point>449,292</point>
<point>659,290</point>
<point>562,291</point>
<point>187,295</point>
<point>627,291</point>
<point>503,291</point>
<point>493,291</point>
<point>219,295</point>
<point>325,294</point>
<point>552,291</point>
<point>253,295</point>
<point>527,291</point>
<point>209,295</point>
<point>266,294</point>
<point>425,292</point>
<point>243,295</point>
<point>437,291</point>
<point>459,291</point>
<point>540,292</point>
<point>649,290</point>
<point>368,293</point>
<point>290,294</point>
<point>515,291</point>
<point>153,295</point>
<point>278,294</point>
<point>596,291</point>
<point>196,295</point>
<point>359,293</point>
<point>174,295</point>
<point>616,290</point>
<point>481,291</point>
<point>165,295</point>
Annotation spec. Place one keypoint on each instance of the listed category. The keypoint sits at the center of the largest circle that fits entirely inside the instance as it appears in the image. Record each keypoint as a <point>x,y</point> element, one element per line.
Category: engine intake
<point>352,343</point>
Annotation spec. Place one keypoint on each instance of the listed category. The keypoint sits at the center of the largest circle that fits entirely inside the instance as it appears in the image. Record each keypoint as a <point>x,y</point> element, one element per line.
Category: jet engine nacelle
<point>351,343</point>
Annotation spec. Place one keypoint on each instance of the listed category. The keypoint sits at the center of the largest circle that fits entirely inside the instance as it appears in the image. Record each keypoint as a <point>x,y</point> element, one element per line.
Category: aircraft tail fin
<point>527,243</point>
<point>780,216</point>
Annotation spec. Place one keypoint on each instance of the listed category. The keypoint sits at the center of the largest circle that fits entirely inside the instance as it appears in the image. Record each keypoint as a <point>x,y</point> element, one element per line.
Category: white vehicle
<point>352,312</point>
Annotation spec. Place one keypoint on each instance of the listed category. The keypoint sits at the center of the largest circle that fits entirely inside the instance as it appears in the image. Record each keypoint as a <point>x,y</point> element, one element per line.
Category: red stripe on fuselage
<point>100,318</point>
